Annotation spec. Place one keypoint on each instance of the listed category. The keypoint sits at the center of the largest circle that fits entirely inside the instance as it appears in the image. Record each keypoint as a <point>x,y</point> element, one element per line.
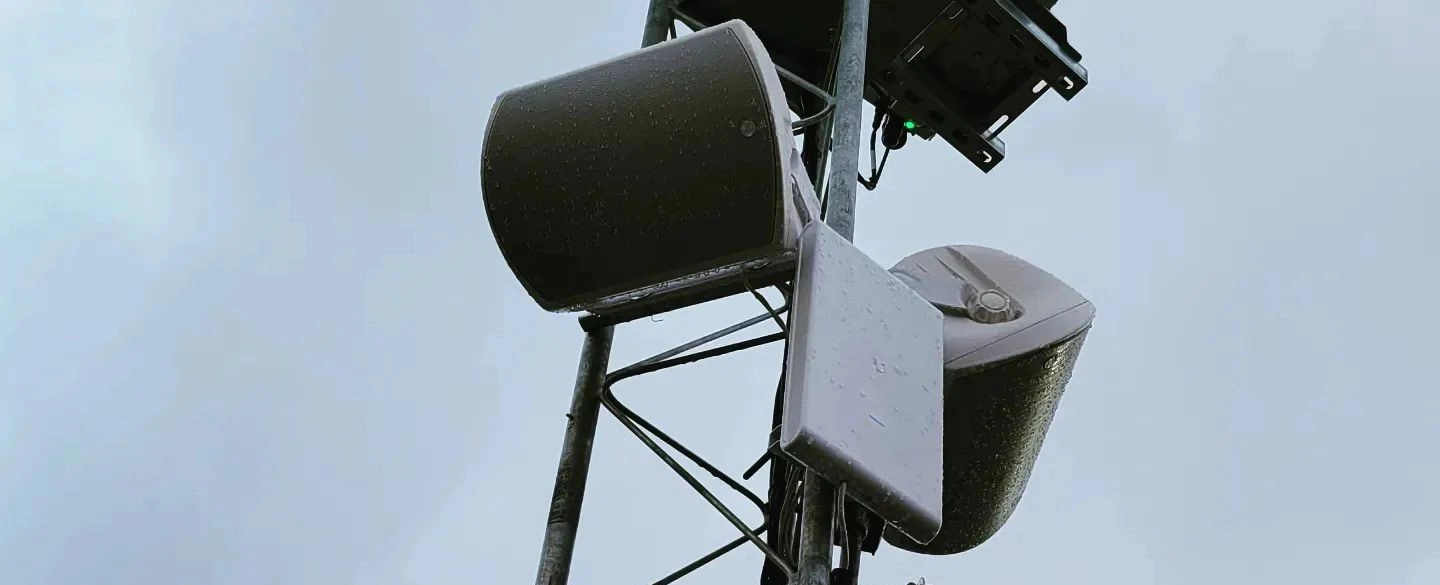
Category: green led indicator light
<point>909,124</point>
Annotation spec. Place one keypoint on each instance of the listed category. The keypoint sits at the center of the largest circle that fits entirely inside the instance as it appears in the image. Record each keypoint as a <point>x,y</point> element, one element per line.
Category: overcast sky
<point>254,328</point>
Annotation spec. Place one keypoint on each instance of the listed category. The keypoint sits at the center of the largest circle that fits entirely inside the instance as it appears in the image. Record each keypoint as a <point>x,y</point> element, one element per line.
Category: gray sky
<point>254,329</point>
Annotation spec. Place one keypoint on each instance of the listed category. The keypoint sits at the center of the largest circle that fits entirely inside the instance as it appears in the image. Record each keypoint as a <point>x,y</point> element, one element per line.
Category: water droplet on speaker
<point>747,128</point>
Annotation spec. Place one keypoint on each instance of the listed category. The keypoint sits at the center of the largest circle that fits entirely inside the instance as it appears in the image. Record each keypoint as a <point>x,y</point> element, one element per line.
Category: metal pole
<point>657,22</point>
<point>575,459</point>
<point>849,98</point>
<point>817,531</point>
<point>817,517</point>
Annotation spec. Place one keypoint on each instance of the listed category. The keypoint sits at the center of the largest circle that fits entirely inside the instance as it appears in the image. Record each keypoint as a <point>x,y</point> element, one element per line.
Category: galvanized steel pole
<point>575,459</point>
<point>817,517</point>
<point>817,530</point>
<point>849,100</point>
<point>657,22</point>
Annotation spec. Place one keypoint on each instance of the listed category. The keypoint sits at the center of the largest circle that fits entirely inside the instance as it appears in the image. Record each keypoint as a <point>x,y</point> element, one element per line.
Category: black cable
<point>874,180</point>
<point>779,494</point>
<point>782,479</point>
<point>881,116</point>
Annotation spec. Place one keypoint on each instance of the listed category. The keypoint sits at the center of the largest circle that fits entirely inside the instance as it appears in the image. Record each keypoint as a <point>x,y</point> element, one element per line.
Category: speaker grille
<point>656,165</point>
<point>996,418</point>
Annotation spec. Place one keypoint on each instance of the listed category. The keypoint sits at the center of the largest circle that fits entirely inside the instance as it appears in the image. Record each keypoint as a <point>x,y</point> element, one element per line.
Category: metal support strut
<point>575,460</point>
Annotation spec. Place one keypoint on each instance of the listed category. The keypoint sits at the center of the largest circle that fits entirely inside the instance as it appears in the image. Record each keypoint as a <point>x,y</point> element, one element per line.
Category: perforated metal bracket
<point>919,88</point>
<point>1018,60</point>
<point>1056,62</point>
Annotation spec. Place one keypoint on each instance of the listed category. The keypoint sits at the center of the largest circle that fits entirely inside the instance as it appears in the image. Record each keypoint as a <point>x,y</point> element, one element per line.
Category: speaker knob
<point>991,306</point>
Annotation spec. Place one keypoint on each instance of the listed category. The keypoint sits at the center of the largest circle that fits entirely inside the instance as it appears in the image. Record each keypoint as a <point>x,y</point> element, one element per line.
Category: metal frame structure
<point>832,152</point>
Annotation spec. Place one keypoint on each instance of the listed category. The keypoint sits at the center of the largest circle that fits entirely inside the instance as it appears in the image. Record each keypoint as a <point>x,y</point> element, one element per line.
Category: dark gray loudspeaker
<point>1012,334</point>
<point>654,166</point>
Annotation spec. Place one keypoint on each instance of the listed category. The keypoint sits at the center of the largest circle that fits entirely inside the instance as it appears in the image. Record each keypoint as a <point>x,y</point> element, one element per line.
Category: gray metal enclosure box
<point>863,392</point>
